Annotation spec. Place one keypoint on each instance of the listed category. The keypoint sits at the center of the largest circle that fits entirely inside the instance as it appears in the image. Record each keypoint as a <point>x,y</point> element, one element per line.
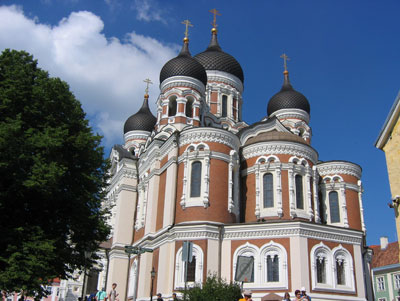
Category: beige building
<point>389,141</point>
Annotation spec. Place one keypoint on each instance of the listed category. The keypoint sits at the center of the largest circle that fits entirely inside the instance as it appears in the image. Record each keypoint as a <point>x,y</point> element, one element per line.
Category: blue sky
<point>344,59</point>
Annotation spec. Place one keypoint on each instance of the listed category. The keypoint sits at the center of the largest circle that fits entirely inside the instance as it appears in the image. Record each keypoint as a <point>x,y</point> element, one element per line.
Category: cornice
<point>206,134</point>
<point>338,168</point>
<point>224,77</point>
<point>184,82</point>
<point>276,147</point>
<point>292,113</point>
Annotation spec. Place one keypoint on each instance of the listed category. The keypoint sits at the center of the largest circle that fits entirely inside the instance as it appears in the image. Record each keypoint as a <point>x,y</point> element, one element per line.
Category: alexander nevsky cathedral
<point>195,171</point>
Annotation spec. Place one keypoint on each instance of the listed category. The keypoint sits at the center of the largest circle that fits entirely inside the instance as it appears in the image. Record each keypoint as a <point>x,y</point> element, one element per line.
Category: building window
<point>172,106</point>
<point>334,207</point>
<point>340,272</point>
<point>194,268</point>
<point>380,283</point>
<point>191,270</point>
<point>268,190</point>
<point>272,268</point>
<point>195,180</point>
<point>189,108</point>
<point>299,192</point>
<point>321,269</point>
<point>251,251</point>
<point>224,106</point>
<point>397,281</point>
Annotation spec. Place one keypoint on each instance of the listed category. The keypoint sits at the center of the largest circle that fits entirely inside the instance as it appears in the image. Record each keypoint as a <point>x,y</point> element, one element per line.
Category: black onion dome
<point>287,98</point>
<point>143,120</point>
<point>184,65</point>
<point>213,58</point>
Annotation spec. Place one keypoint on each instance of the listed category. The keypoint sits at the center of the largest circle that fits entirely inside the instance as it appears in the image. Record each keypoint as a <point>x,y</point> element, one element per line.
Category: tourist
<point>159,297</point>
<point>174,297</point>
<point>101,295</point>
<point>247,296</point>
<point>286,297</point>
<point>304,294</point>
<point>112,295</point>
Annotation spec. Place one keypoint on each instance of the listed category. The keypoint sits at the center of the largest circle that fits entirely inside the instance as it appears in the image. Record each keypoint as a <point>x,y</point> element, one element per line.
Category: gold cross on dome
<point>148,82</point>
<point>285,59</point>
<point>215,13</point>
<point>187,23</point>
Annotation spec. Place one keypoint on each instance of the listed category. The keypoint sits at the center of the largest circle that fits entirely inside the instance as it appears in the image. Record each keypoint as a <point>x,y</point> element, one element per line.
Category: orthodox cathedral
<point>197,172</point>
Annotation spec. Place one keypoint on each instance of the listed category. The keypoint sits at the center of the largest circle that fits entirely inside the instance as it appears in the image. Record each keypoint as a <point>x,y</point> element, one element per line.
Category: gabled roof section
<point>386,257</point>
<point>389,124</point>
<point>264,126</point>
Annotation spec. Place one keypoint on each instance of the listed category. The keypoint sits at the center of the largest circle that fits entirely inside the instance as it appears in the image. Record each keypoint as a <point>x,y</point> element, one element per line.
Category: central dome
<point>184,65</point>
<point>213,58</point>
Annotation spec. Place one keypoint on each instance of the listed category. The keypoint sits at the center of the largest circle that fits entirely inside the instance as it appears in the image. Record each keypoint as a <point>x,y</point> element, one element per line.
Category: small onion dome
<point>184,65</point>
<point>287,98</point>
<point>213,58</point>
<point>143,120</point>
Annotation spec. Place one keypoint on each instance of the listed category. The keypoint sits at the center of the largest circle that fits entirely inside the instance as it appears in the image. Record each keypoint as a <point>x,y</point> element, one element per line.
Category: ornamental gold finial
<point>187,23</point>
<point>148,82</point>
<point>215,13</point>
<point>285,59</point>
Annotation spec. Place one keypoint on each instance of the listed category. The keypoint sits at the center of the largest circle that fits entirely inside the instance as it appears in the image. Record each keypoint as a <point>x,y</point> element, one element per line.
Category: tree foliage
<point>214,288</point>
<point>52,175</point>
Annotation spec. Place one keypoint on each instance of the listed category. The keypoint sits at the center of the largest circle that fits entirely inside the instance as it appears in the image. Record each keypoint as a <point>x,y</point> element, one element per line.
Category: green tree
<point>52,175</point>
<point>214,288</point>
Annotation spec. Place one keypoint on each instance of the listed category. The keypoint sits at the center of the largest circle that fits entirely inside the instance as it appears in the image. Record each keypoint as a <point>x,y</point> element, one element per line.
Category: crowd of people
<point>113,295</point>
<point>298,295</point>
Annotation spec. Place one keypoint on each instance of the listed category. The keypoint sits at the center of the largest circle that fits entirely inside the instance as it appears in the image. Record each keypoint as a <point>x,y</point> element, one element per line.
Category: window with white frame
<point>247,250</point>
<point>343,268</point>
<point>380,283</point>
<point>274,266</point>
<point>321,262</point>
<point>396,278</point>
<point>224,109</point>
<point>268,187</point>
<point>189,107</point>
<point>334,200</point>
<point>194,268</point>
<point>195,191</point>
<point>172,105</point>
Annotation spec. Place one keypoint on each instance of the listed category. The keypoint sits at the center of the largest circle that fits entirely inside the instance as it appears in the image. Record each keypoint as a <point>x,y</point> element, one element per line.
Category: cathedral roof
<point>143,120</point>
<point>213,58</point>
<point>275,136</point>
<point>184,65</point>
<point>287,98</point>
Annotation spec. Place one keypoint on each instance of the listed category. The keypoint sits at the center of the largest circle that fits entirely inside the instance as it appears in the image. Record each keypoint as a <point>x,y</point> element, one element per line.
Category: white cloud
<point>147,10</point>
<point>105,74</point>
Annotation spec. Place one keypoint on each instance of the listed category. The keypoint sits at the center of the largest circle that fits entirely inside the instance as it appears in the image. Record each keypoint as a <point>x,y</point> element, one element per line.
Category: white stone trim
<point>194,135</point>
<point>315,194</point>
<point>224,77</point>
<point>194,154</point>
<point>360,192</point>
<point>339,167</point>
<point>277,147</point>
<point>183,81</point>
<point>291,114</point>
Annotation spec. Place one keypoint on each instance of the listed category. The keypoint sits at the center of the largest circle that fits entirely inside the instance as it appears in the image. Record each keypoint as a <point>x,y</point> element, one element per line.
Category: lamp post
<point>87,256</point>
<point>153,275</point>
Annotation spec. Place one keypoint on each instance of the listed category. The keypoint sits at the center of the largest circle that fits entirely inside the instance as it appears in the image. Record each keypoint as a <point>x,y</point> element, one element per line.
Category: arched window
<point>340,271</point>
<point>191,270</point>
<point>321,269</point>
<point>299,192</point>
<point>195,179</point>
<point>334,207</point>
<point>272,268</point>
<point>172,106</point>
<point>224,106</point>
<point>268,190</point>
<point>189,108</point>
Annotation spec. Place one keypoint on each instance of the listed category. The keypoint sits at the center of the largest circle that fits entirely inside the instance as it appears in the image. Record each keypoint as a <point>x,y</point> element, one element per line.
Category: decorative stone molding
<point>263,127</point>
<point>291,114</point>
<point>360,192</point>
<point>315,194</point>
<point>184,82</point>
<point>225,78</point>
<point>276,147</point>
<point>196,135</point>
<point>339,167</point>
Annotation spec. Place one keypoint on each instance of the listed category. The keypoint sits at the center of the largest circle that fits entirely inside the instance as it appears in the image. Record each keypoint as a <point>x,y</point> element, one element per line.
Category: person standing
<point>247,296</point>
<point>304,294</point>
<point>174,297</point>
<point>112,295</point>
<point>101,295</point>
<point>286,297</point>
<point>159,297</point>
